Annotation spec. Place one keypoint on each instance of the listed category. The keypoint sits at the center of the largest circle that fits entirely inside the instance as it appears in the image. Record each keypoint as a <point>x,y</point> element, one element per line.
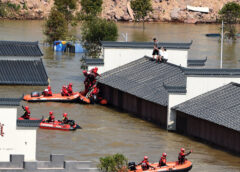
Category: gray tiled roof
<point>89,61</point>
<point>17,48</point>
<point>10,101</point>
<point>220,106</point>
<point>196,62</point>
<point>211,72</point>
<point>145,79</point>
<point>146,45</point>
<point>23,72</point>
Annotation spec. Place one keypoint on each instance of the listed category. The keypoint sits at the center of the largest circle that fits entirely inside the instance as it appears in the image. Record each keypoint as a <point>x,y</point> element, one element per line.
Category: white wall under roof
<point>16,140</point>
<point>196,85</point>
<point>115,57</point>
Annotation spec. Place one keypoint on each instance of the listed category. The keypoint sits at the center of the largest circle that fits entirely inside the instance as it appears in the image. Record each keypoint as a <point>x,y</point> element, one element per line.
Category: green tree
<point>96,30</point>
<point>56,26</point>
<point>113,163</point>
<point>230,14</point>
<point>90,9</point>
<point>141,9</point>
<point>67,8</point>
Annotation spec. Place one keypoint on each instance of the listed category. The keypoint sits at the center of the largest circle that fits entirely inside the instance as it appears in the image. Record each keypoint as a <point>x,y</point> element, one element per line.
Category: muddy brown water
<point>105,130</point>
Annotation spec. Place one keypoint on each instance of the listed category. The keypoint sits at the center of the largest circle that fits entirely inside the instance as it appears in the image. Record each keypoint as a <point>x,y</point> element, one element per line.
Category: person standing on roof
<point>163,160</point>
<point>69,89</point>
<point>182,155</point>
<point>145,164</point>
<point>27,113</point>
<point>155,49</point>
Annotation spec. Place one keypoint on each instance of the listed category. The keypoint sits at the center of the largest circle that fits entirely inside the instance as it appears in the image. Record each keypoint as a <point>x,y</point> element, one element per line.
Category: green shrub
<point>3,11</point>
<point>113,163</point>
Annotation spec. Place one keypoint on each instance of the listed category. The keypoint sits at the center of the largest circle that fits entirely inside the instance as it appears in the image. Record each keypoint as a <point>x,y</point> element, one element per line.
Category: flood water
<point>105,130</point>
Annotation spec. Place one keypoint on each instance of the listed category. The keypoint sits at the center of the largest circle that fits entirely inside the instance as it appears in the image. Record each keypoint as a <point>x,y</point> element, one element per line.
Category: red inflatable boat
<point>36,97</point>
<point>171,166</point>
<point>57,125</point>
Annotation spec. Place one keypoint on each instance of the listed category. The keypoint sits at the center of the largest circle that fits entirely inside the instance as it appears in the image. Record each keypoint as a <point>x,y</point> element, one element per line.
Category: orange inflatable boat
<point>36,97</point>
<point>171,166</point>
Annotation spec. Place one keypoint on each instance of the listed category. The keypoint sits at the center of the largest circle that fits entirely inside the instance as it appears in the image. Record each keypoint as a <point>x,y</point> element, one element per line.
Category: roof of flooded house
<point>210,72</point>
<point>113,44</point>
<point>220,106</point>
<point>21,49</point>
<point>23,72</point>
<point>146,79</point>
<point>94,61</point>
<point>196,62</point>
<point>10,101</point>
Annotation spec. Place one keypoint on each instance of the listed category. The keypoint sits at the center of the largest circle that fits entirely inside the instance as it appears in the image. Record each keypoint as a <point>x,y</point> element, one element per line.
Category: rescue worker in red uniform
<point>69,89</point>
<point>64,91</point>
<point>65,118</point>
<point>51,117</point>
<point>49,91</point>
<point>163,160</point>
<point>182,155</point>
<point>145,164</point>
<point>27,113</point>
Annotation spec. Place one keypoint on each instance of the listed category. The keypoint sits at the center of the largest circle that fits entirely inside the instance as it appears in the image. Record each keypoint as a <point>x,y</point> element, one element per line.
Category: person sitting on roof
<point>51,117</point>
<point>27,113</point>
<point>64,91</point>
<point>65,118</point>
<point>182,155</point>
<point>165,55</point>
<point>145,164</point>
<point>69,89</point>
<point>163,160</point>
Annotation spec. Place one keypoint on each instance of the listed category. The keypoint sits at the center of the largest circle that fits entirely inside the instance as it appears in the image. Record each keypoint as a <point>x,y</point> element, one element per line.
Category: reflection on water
<point>105,130</point>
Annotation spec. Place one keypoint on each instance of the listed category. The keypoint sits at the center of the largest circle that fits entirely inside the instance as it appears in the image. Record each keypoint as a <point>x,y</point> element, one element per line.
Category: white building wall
<point>115,57</point>
<point>16,140</point>
<point>195,87</point>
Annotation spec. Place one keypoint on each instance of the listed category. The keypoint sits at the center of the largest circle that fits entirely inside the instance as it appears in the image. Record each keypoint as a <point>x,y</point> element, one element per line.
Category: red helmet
<point>164,154</point>
<point>70,84</point>
<point>182,150</point>
<point>65,115</point>
<point>26,108</point>
<point>95,69</point>
<point>145,158</point>
<point>51,113</point>
<point>49,87</point>
<point>84,71</point>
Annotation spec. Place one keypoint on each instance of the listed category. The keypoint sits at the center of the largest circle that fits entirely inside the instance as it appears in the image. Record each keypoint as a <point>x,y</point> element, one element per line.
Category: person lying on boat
<point>51,117</point>
<point>182,155</point>
<point>27,113</point>
<point>65,119</point>
<point>47,92</point>
<point>64,91</point>
<point>163,160</point>
<point>69,89</point>
<point>145,164</point>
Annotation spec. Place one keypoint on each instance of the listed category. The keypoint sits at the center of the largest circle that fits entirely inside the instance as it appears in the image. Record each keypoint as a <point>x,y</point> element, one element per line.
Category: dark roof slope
<point>23,72</point>
<point>145,45</point>
<point>211,72</point>
<point>220,106</point>
<point>145,79</point>
<point>17,48</point>
<point>10,101</point>
<point>92,61</point>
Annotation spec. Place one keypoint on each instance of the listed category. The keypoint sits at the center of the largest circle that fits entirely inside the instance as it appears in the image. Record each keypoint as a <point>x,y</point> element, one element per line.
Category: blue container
<point>57,46</point>
<point>79,48</point>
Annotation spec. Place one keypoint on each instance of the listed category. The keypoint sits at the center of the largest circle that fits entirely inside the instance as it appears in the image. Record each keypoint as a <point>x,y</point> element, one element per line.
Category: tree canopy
<point>56,26</point>
<point>230,14</point>
<point>91,7</point>
<point>66,7</point>
<point>141,8</point>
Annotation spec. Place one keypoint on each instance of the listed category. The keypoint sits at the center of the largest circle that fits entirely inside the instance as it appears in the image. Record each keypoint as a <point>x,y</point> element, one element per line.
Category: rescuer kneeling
<point>65,118</point>
<point>51,117</point>
<point>163,160</point>
<point>182,155</point>
<point>145,164</point>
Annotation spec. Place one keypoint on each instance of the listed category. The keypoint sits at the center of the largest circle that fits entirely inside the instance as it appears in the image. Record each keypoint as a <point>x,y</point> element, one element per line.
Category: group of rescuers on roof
<point>90,83</point>
<point>163,160</point>
<point>162,55</point>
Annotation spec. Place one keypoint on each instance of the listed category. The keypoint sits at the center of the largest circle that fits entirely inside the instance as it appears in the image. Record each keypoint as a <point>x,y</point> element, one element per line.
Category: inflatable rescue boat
<point>171,166</point>
<point>36,97</point>
<point>58,125</point>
